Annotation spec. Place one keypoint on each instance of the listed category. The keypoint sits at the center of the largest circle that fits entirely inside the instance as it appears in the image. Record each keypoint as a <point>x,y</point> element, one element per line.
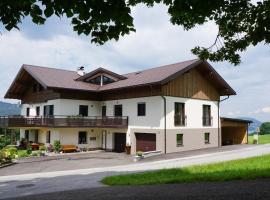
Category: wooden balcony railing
<point>63,121</point>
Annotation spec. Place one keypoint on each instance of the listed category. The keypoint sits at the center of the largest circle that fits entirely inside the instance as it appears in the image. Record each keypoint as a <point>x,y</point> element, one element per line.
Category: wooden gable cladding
<point>39,97</point>
<point>128,93</point>
<point>191,85</point>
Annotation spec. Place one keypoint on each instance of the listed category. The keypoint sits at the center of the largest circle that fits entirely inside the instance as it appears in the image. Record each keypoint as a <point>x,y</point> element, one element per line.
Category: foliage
<point>42,148</point>
<point>35,153</point>
<point>245,169</point>
<point>29,149</point>
<point>11,152</point>
<point>241,23</point>
<point>265,128</point>
<point>23,153</point>
<point>139,153</point>
<point>4,141</point>
<point>57,145</point>
<point>4,157</point>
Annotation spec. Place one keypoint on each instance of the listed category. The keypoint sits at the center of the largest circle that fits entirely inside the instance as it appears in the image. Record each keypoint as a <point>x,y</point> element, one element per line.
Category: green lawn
<point>263,139</point>
<point>251,168</point>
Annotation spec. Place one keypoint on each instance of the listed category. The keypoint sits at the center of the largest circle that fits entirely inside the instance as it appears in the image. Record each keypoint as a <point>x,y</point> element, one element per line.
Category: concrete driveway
<point>47,182</point>
<point>67,162</point>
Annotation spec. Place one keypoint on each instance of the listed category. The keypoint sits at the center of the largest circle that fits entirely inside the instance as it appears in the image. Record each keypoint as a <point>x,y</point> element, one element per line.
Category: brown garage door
<point>145,142</point>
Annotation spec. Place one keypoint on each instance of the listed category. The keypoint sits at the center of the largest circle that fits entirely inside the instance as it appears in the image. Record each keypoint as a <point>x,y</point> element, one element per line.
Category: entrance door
<point>119,142</point>
<point>145,142</point>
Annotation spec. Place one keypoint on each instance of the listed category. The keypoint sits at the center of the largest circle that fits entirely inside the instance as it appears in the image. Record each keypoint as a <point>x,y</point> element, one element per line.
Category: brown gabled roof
<point>59,78</point>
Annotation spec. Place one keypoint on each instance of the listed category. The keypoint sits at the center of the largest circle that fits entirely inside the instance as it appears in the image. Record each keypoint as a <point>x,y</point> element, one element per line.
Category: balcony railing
<point>207,121</point>
<point>180,120</point>
<point>63,121</point>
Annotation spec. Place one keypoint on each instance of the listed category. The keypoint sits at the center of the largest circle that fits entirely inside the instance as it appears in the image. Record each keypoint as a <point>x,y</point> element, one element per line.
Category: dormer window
<point>101,77</point>
<point>101,80</point>
<point>96,80</point>
<point>107,80</point>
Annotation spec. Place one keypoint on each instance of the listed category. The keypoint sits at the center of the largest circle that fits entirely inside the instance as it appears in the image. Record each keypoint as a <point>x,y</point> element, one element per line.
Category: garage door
<point>145,142</point>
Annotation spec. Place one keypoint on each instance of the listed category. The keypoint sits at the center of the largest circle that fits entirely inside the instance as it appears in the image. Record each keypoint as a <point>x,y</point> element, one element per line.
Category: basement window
<point>179,140</point>
<point>207,138</point>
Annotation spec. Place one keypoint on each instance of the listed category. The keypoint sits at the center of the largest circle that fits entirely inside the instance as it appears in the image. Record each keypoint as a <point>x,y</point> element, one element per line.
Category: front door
<point>119,142</point>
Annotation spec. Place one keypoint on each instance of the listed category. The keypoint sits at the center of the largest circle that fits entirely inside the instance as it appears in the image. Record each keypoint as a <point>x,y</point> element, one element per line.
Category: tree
<point>265,128</point>
<point>241,23</point>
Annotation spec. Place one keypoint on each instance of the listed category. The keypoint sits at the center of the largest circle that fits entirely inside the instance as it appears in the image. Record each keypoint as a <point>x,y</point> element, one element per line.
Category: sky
<point>156,42</point>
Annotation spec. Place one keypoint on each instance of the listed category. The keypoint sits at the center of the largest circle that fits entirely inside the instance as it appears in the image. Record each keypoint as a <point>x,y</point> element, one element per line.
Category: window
<point>141,109</point>
<point>48,110</point>
<point>179,140</point>
<point>27,112</point>
<point>207,119</point>
<point>82,137</point>
<point>107,80</point>
<point>118,111</point>
<point>26,135</point>
<point>207,138</point>
<point>179,114</point>
<point>103,110</point>
<point>96,81</point>
<point>48,137</point>
<point>83,110</point>
<point>37,111</point>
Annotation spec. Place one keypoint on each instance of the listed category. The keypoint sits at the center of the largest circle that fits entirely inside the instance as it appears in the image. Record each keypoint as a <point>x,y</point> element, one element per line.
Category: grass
<point>263,139</point>
<point>250,168</point>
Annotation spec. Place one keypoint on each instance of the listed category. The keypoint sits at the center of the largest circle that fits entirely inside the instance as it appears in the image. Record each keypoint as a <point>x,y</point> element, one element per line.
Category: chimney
<point>80,71</point>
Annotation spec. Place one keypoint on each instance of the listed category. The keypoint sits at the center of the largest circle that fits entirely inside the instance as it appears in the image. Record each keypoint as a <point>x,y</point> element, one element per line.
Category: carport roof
<point>236,120</point>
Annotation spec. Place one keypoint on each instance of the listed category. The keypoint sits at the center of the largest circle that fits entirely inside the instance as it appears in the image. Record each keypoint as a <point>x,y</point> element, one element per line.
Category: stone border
<point>7,165</point>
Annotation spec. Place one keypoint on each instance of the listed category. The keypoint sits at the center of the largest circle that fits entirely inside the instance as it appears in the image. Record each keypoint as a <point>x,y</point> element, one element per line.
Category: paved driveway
<point>67,162</point>
<point>98,159</point>
<point>47,182</point>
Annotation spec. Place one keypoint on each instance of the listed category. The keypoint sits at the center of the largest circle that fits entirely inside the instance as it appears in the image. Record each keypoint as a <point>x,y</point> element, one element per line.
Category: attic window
<point>97,80</point>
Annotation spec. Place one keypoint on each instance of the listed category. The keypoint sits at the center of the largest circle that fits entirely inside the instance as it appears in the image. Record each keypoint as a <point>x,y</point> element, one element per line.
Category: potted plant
<point>57,146</point>
<point>128,149</point>
<point>139,156</point>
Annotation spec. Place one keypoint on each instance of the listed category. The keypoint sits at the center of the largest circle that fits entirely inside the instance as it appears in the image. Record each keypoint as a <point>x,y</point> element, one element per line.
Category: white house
<point>170,108</point>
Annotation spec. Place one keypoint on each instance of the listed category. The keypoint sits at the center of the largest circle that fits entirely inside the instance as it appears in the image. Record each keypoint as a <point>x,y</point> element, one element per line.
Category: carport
<point>234,131</point>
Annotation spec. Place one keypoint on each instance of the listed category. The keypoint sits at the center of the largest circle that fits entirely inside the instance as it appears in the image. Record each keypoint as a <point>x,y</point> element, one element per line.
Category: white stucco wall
<point>193,111</point>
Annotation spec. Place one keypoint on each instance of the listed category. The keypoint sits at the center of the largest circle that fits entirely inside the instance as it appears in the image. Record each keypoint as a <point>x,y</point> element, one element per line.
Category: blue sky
<point>156,42</point>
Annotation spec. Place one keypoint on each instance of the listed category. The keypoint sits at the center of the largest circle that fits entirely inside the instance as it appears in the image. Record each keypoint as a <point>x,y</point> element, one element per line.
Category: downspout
<point>165,125</point>
<point>219,118</point>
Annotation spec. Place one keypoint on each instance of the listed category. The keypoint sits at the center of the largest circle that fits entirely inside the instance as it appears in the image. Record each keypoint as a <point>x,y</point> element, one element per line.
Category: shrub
<point>139,153</point>
<point>42,148</point>
<point>35,153</point>
<point>23,154</point>
<point>11,152</point>
<point>4,158</point>
<point>57,145</point>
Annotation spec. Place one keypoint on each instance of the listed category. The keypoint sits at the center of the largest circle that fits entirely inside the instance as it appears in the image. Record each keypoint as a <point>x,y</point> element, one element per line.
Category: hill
<point>256,123</point>
<point>9,108</point>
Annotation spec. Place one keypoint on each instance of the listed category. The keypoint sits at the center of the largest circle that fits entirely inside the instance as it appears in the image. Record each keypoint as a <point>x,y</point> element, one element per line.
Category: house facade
<point>169,108</point>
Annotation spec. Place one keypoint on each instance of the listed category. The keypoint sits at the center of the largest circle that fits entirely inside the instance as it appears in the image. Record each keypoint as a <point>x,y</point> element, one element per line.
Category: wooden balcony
<point>63,121</point>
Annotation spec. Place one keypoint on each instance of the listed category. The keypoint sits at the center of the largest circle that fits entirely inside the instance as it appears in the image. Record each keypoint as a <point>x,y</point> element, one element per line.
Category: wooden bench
<point>69,148</point>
